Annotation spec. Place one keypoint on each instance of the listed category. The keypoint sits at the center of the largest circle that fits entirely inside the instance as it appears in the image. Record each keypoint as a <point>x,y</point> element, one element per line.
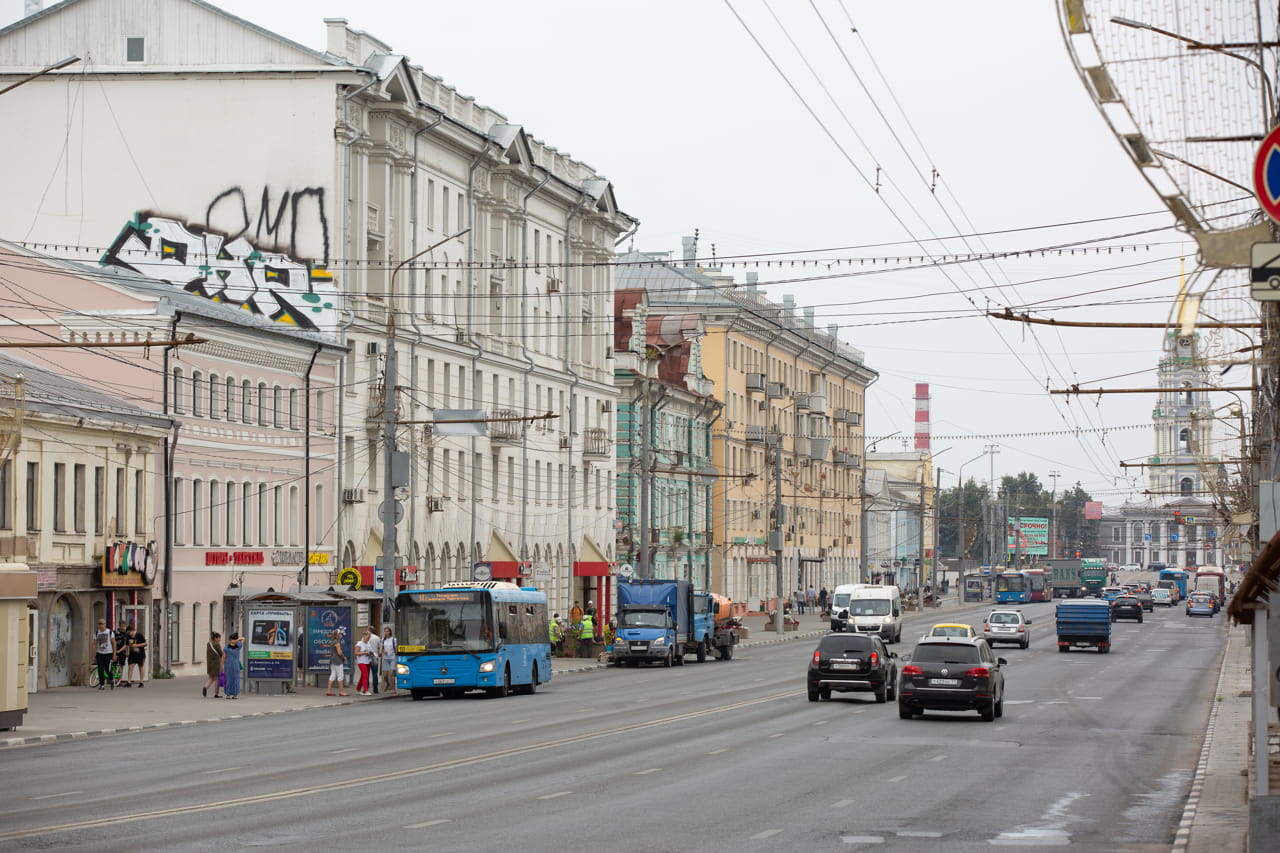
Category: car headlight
<point>487,666</point>
<point>661,641</point>
<point>888,620</point>
<point>402,669</point>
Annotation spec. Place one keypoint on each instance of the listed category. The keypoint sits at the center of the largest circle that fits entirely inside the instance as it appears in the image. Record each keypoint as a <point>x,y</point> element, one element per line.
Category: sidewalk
<point>69,713</point>
<point>1216,816</point>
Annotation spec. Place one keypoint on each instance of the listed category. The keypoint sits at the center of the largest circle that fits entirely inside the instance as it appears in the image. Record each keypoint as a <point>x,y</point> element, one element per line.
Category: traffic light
<point>1177,516</point>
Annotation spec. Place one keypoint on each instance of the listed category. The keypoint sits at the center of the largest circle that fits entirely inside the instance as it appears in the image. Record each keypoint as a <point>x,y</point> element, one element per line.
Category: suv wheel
<point>904,713</point>
<point>824,693</point>
<point>813,695</point>
<point>892,687</point>
<point>999,709</point>
<point>882,694</point>
<point>989,712</point>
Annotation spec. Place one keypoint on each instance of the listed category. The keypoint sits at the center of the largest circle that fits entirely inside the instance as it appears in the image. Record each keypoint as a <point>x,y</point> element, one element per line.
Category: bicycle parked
<point>114,673</point>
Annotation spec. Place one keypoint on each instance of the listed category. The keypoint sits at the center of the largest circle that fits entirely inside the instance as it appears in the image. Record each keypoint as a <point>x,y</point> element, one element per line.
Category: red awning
<point>584,569</point>
<point>511,569</point>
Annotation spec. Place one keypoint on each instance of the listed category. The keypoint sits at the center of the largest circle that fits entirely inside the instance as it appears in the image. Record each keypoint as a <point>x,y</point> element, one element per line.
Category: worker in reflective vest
<point>588,631</point>
<point>556,633</point>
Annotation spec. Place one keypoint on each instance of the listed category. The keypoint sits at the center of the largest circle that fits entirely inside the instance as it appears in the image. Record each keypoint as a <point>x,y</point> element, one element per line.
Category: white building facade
<point>354,188</point>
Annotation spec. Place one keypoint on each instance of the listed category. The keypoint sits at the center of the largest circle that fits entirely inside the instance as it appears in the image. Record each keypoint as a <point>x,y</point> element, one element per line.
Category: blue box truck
<point>1084,623</point>
<point>660,621</point>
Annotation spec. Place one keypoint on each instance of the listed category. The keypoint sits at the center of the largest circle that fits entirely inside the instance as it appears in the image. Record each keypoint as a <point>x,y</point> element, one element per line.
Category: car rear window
<point>943,652</point>
<point>842,644</point>
<point>1004,619</point>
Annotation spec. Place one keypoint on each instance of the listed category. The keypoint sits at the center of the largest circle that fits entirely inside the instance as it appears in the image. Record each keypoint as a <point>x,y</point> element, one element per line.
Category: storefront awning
<point>593,564</point>
<point>1259,582</point>
<point>503,563</point>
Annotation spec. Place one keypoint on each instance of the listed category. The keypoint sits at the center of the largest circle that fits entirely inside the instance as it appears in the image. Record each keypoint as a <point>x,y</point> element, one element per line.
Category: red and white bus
<point>1038,585</point>
<point>1213,580</point>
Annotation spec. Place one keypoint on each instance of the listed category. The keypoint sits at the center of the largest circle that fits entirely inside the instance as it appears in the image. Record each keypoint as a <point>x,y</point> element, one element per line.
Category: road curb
<point>1182,837</point>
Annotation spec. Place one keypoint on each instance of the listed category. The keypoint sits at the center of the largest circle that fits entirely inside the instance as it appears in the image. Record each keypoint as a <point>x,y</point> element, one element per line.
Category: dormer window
<point>135,49</point>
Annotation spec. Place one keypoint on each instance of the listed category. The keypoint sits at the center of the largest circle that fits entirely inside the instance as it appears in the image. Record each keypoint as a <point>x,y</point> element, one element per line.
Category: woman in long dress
<point>233,665</point>
<point>214,655</point>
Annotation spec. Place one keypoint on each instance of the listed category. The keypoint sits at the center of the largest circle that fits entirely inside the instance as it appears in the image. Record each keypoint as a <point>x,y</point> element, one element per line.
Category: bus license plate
<point>443,681</point>
<point>945,682</point>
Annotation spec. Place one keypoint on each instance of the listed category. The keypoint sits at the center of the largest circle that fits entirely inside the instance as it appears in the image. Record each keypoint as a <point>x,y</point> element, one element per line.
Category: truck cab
<point>646,634</point>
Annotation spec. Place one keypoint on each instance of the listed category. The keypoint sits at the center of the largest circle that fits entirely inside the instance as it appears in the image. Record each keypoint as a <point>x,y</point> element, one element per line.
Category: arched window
<point>197,512</point>
<point>1185,486</point>
<point>246,402</point>
<point>215,513</point>
<point>1184,438</point>
<point>176,404</point>
<point>277,407</point>
<point>197,394</point>
<point>263,402</point>
<point>293,408</point>
<point>232,411</point>
<point>215,396</point>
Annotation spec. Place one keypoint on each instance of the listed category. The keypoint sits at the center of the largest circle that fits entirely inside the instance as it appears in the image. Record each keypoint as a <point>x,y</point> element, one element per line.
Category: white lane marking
<point>821,722</point>
<point>1092,698</point>
<point>556,794</point>
<point>779,734</point>
<point>340,751</point>
<point>1031,838</point>
<point>768,833</point>
<point>647,772</point>
<point>52,796</point>
<point>442,734</point>
<point>718,751</point>
<point>1019,701</point>
<point>513,722</point>
<point>222,770</point>
<point>860,711</point>
<point>841,804</point>
<point>862,839</point>
<point>897,778</point>
<point>585,710</point>
<point>426,823</point>
<point>906,833</point>
<point>938,757</point>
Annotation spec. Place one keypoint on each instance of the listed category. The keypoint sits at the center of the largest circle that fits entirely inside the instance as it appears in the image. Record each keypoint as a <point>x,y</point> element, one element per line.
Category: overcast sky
<point>885,128</point>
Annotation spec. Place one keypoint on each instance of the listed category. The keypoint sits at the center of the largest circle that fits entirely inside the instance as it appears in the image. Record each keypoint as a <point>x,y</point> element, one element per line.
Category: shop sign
<point>235,558</point>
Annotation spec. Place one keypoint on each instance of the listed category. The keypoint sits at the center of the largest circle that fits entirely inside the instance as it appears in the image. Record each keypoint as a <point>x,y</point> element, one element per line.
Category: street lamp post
<point>390,471</point>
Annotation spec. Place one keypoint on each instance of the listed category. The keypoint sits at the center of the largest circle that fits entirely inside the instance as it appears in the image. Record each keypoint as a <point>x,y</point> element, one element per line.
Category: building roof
<point>52,393</point>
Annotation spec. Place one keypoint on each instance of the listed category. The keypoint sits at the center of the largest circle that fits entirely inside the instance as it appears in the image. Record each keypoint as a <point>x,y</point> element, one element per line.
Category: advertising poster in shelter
<point>323,624</point>
<point>271,643</point>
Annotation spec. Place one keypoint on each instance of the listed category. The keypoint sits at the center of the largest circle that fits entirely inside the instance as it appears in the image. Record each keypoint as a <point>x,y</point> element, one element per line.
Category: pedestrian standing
<point>388,661</point>
<point>364,654</point>
<point>233,665</point>
<point>587,632</point>
<point>555,633</point>
<point>575,614</point>
<point>104,648</point>
<point>812,595</point>
<point>822,600</point>
<point>375,659</point>
<point>214,657</point>
<point>337,664</point>
<point>800,601</point>
<point>136,648</point>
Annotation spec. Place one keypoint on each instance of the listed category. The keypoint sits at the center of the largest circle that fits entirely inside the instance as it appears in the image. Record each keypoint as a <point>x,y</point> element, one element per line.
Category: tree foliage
<point>1018,495</point>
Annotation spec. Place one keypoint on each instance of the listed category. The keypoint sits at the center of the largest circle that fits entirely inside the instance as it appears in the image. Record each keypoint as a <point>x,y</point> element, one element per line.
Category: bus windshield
<point>1011,583</point>
<point>446,622</point>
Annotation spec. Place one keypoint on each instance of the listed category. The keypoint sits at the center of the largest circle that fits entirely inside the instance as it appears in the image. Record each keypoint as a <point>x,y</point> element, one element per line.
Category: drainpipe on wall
<point>577,380</point>
<point>471,338</point>
<point>343,380</point>
<point>522,548</point>
<point>414,464</point>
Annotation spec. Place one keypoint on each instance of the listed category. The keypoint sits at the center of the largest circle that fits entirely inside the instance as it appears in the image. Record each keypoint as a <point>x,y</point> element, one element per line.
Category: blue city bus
<point>1012,587</point>
<point>483,635</point>
<point>1179,578</point>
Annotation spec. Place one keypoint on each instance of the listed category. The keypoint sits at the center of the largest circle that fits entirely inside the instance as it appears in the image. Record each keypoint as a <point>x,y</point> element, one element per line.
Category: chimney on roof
<point>30,7</point>
<point>788,306</point>
<point>833,329</point>
<point>337,37</point>
<point>808,317</point>
<point>922,416</point>
<point>690,250</point>
<point>753,278</point>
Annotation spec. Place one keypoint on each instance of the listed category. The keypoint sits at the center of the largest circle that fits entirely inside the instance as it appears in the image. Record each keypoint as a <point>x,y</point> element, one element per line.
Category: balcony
<point>597,443</point>
<point>506,432</point>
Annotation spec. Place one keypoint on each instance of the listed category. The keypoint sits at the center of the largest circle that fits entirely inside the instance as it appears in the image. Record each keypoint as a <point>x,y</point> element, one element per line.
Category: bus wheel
<point>418,694</point>
<point>532,687</point>
<point>726,652</point>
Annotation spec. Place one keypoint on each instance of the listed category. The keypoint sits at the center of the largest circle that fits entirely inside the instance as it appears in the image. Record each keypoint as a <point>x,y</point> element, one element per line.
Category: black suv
<point>1126,607</point>
<point>852,662</point>
<point>952,674</point>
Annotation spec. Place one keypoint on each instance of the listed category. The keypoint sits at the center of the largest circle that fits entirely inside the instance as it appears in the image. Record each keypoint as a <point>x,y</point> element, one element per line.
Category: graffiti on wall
<point>298,210</point>
<point>229,269</point>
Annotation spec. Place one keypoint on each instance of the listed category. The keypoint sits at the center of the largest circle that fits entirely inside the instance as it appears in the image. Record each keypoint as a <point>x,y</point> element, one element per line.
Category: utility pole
<point>1053,523</point>
<point>646,414</point>
<point>991,505</point>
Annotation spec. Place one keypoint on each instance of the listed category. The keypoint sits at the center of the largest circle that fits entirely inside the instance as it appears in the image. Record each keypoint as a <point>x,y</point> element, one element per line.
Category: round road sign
<point>349,577</point>
<point>1266,174</point>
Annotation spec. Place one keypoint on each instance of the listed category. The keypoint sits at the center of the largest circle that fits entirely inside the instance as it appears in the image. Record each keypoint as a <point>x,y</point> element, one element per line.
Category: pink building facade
<point>246,491</point>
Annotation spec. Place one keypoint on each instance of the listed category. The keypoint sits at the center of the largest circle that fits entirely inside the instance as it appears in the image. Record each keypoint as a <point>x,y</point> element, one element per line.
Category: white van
<point>868,609</point>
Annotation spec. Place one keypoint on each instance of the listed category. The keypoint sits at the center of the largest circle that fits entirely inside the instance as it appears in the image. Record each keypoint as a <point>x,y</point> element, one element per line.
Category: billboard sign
<point>270,643</point>
<point>1028,536</point>
<point>1093,510</point>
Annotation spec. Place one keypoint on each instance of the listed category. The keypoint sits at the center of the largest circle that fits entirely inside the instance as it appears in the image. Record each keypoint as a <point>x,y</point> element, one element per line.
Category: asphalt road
<point>1094,752</point>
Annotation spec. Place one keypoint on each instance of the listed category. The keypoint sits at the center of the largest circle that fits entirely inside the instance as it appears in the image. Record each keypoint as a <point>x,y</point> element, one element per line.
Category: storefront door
<point>61,630</point>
